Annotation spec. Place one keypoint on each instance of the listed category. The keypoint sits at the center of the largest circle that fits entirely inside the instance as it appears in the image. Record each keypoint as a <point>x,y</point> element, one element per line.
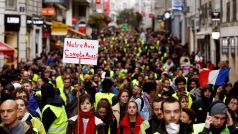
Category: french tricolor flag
<point>215,77</point>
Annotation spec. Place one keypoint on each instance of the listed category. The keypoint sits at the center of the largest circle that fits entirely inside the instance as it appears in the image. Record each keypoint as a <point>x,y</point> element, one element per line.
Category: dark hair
<point>19,90</point>
<point>180,79</point>
<point>107,84</point>
<point>47,91</point>
<point>233,97</point>
<point>149,86</point>
<point>68,77</point>
<point>158,99</point>
<point>196,80</point>
<point>170,99</point>
<point>9,87</point>
<point>190,113</point>
<point>183,95</point>
<point>84,97</point>
<point>104,103</point>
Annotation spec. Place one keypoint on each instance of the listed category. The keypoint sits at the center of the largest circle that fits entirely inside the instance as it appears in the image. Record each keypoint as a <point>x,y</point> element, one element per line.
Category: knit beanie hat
<point>218,108</point>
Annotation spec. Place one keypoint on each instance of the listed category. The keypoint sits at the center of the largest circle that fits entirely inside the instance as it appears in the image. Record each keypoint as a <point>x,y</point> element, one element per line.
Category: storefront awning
<point>58,28</point>
<point>6,49</point>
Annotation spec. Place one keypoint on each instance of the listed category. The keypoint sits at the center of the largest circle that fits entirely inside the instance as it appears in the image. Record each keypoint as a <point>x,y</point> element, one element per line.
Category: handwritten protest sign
<point>80,51</point>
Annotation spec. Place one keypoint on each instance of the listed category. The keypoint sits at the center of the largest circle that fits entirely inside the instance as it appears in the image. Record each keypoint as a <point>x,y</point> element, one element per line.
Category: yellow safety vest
<point>59,125</point>
<point>38,92</point>
<point>59,82</point>
<point>63,95</point>
<point>190,100</point>
<point>100,95</point>
<point>36,123</point>
<point>35,77</point>
<point>199,127</point>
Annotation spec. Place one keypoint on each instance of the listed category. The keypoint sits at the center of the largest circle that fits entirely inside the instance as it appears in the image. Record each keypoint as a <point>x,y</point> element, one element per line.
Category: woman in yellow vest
<point>104,112</point>
<point>54,116</point>
<point>24,115</point>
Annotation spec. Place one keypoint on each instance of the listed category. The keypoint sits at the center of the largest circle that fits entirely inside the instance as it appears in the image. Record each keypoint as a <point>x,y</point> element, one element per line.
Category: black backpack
<point>142,103</point>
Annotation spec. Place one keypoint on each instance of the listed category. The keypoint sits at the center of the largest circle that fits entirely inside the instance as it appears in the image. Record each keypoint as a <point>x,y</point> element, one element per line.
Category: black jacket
<point>48,115</point>
<point>154,125</point>
<point>201,107</point>
<point>184,128</point>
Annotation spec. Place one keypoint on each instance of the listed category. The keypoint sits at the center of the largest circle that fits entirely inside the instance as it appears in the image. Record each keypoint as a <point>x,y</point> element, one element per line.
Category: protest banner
<point>80,51</point>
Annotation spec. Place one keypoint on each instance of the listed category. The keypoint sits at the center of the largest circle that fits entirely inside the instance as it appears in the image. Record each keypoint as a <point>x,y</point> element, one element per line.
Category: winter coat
<point>125,127</point>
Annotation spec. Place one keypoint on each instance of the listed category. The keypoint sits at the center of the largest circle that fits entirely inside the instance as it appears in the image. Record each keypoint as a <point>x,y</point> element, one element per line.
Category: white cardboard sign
<point>80,51</point>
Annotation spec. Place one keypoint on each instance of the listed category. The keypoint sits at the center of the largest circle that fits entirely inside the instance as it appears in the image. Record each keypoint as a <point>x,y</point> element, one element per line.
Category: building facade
<point>229,36</point>
<point>21,28</point>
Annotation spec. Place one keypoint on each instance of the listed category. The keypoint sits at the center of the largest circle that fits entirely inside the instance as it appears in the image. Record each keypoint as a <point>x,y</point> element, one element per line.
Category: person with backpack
<point>136,96</point>
<point>149,88</point>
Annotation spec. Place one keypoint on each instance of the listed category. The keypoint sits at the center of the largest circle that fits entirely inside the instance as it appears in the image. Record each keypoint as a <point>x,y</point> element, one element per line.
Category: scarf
<point>90,129</point>
<point>172,128</point>
<point>26,116</point>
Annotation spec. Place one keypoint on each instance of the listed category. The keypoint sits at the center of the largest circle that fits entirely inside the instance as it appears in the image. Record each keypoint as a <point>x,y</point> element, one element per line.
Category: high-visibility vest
<point>59,82</point>
<point>199,127</point>
<point>190,100</point>
<point>59,125</point>
<point>63,95</point>
<point>35,77</point>
<point>101,95</point>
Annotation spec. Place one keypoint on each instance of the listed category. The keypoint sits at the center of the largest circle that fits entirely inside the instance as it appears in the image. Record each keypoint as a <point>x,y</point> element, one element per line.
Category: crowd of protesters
<point>137,87</point>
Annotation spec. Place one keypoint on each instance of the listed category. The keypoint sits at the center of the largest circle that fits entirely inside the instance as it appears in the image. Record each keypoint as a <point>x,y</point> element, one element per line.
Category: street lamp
<point>168,20</point>
<point>167,15</point>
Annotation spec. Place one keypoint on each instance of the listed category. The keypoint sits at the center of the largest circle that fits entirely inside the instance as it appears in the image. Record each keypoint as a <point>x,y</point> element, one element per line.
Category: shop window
<point>234,10</point>
<point>228,11</point>
<point>11,4</point>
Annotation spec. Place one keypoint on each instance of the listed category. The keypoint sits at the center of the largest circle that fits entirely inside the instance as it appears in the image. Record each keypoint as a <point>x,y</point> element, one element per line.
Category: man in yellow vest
<point>180,83</point>
<point>54,116</point>
<point>107,85</point>
<point>218,121</point>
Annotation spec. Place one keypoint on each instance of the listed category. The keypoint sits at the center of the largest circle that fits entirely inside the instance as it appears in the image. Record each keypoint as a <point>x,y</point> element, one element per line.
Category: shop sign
<point>80,51</point>
<point>215,16</point>
<point>38,21</point>
<point>48,11</point>
<point>31,21</point>
<point>12,22</point>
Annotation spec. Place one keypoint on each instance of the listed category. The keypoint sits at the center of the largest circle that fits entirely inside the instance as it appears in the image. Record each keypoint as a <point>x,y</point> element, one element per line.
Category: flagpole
<point>78,106</point>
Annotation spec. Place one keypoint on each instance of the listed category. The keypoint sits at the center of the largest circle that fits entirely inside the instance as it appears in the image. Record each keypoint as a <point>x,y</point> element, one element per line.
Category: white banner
<point>80,51</point>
